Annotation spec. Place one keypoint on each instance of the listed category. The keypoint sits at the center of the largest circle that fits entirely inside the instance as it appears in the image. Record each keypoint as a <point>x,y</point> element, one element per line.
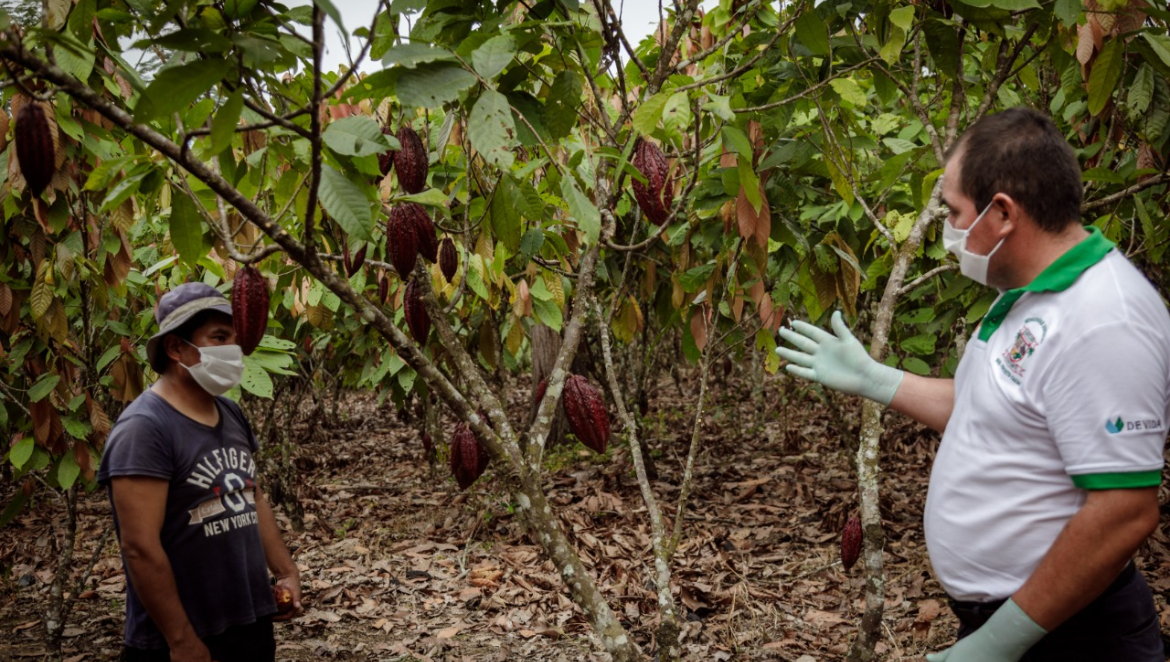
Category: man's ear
<point>1007,210</point>
<point>173,345</point>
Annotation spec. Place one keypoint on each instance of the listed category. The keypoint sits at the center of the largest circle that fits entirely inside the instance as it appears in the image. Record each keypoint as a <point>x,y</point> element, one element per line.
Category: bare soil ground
<point>398,565</point>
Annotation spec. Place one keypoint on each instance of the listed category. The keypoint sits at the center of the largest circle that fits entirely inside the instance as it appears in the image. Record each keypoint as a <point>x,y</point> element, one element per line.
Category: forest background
<point>642,214</point>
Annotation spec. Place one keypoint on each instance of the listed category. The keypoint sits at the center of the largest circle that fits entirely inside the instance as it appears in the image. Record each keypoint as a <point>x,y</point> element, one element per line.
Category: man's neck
<point>187,397</point>
<point>1040,249</point>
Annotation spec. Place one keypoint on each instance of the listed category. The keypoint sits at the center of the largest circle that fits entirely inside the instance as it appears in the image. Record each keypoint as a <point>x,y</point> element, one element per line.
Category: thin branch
<point>807,91</point>
<point>314,129</point>
<point>1125,193</point>
<point>763,50</point>
<point>731,33</point>
<point>1002,69</point>
<point>909,287</point>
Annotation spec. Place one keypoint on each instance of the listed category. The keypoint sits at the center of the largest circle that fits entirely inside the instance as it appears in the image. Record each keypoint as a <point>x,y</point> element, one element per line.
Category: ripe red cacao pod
<point>415,311</point>
<point>354,264</point>
<point>411,161</point>
<point>540,389</point>
<point>36,148</point>
<point>448,259</point>
<point>386,159</point>
<point>383,288</point>
<point>851,542</point>
<point>656,196</point>
<point>424,230</point>
<point>585,410</point>
<point>401,241</point>
<point>468,459</point>
<point>249,307</point>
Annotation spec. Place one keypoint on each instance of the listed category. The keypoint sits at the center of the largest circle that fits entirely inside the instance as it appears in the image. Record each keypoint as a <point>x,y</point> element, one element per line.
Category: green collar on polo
<point>1059,276</point>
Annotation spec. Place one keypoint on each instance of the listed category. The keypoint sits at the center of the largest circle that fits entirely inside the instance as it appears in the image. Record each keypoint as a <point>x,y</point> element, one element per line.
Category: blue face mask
<point>955,241</point>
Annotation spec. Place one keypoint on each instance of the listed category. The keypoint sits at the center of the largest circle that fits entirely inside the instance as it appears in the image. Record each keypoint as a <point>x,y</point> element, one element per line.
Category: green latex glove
<point>1005,637</point>
<point>838,361</point>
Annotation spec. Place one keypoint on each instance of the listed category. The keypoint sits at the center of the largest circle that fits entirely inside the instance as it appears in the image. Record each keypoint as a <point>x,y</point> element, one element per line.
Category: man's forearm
<point>153,579</point>
<point>279,560</point>
<point>1088,555</point>
<point>927,400</point>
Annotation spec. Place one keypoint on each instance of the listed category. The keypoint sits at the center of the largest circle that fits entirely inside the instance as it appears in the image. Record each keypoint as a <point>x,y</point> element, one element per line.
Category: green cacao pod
<point>656,196</point>
<point>585,411</point>
<point>249,307</point>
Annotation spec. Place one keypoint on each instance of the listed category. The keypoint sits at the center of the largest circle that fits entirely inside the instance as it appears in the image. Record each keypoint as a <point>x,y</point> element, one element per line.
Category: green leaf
<point>582,210</point>
<point>73,56</point>
<point>813,33</point>
<point>736,142</point>
<point>1106,72</point>
<point>903,17</point>
<point>850,92</point>
<point>492,130</point>
<point>238,8</point>
<point>175,88</point>
<point>331,11</point>
<point>346,204</point>
<point>21,451</point>
<point>560,109</point>
<point>412,54</point>
<point>1154,122</point>
<point>548,313</point>
<point>647,116</point>
<point>432,85</point>
<point>186,224</point>
<point>720,106</point>
<point>943,43</point>
<point>256,379</point>
<point>1160,44</point>
<point>1015,5</point>
<point>357,135</point>
<point>67,470</point>
<point>431,197</point>
<point>1140,92</point>
<point>916,366</point>
<point>223,125</point>
<point>922,344</point>
<point>505,219</point>
<point>697,277</point>
<point>43,386</point>
<point>493,56</point>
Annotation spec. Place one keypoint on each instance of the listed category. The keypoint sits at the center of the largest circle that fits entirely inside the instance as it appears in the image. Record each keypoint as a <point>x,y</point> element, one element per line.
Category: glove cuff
<point>1013,630</point>
<point>883,383</point>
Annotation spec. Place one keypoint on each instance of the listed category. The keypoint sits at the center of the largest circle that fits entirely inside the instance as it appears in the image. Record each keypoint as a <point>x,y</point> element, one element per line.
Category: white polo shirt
<point>1066,388</point>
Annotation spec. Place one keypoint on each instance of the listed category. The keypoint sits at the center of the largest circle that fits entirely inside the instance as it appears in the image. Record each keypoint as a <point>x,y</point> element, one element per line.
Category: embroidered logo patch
<point>1014,360</point>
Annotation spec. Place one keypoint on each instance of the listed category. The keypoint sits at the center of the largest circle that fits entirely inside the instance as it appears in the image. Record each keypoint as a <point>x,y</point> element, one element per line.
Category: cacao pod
<point>656,196</point>
<point>249,307</point>
<point>415,311</point>
<point>468,458</point>
<point>540,389</point>
<point>851,542</point>
<point>401,241</point>
<point>428,446</point>
<point>352,266</point>
<point>411,161</point>
<point>284,599</point>
<point>424,230</point>
<point>36,145</point>
<point>383,288</point>
<point>448,259</point>
<point>386,159</point>
<point>585,409</point>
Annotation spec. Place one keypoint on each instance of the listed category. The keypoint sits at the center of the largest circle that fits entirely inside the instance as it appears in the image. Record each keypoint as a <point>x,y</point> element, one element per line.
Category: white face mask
<point>970,265</point>
<point>219,369</point>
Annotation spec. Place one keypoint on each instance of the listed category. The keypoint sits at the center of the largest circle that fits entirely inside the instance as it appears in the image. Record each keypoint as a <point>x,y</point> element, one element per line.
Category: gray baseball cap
<point>178,306</point>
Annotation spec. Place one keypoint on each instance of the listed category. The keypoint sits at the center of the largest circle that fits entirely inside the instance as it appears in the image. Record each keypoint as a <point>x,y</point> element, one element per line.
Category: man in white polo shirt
<point>1045,482</point>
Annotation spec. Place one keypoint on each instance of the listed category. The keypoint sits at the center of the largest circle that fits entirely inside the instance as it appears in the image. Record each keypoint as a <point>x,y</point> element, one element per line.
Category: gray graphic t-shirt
<point>210,531</point>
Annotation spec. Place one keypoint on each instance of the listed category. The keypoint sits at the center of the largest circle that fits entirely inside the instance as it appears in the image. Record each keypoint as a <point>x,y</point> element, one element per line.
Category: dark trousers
<point>253,642</point>
<point>1121,625</point>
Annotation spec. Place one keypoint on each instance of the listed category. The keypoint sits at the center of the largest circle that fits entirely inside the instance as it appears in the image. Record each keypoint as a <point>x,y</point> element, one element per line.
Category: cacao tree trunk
<point>546,344</point>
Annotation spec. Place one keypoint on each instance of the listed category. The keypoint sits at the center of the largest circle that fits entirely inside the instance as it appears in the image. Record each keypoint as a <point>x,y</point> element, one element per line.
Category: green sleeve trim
<point>1119,480</point>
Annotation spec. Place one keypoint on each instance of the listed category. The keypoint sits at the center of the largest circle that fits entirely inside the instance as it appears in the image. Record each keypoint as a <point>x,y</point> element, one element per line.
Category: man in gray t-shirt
<point>198,537</point>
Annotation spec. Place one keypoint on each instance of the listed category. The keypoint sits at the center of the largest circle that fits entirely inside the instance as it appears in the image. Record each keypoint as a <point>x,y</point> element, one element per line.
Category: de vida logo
<point>1113,427</point>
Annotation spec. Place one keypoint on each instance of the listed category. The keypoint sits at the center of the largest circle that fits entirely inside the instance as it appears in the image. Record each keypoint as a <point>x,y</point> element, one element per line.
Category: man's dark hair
<point>1019,152</point>
<point>186,331</point>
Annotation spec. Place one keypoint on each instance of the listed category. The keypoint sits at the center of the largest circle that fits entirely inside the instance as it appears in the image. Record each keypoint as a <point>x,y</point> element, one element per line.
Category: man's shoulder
<point>1115,291</point>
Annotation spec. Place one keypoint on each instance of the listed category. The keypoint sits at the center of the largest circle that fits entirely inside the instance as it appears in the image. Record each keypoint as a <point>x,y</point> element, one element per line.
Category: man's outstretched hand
<point>838,361</point>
